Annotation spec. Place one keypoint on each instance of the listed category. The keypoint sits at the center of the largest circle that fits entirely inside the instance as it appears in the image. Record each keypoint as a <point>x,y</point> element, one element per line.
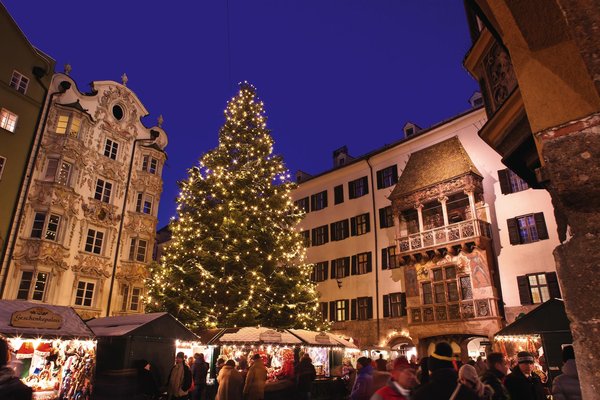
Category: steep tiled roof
<point>434,164</point>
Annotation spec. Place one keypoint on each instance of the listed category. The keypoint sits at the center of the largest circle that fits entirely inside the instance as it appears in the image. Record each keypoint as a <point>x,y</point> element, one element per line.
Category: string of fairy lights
<point>235,258</point>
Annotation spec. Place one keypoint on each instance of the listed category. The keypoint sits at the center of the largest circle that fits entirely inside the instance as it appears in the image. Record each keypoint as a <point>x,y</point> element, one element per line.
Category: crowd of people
<point>235,382</point>
<point>442,377</point>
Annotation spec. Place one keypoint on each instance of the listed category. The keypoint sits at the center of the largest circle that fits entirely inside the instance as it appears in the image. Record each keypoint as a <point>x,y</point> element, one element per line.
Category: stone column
<point>471,195</point>
<point>443,201</point>
<point>572,171</point>
<point>419,208</point>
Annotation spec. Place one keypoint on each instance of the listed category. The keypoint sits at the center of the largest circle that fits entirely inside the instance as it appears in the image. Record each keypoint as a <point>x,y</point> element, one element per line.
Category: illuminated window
<point>8,120</point>
<point>58,171</point>
<point>2,164</point>
<point>45,226</point>
<point>68,124</point>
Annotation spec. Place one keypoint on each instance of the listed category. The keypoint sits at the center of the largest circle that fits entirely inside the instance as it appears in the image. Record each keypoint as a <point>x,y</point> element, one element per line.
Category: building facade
<point>24,78</point>
<point>90,214</point>
<point>427,239</point>
<point>541,83</point>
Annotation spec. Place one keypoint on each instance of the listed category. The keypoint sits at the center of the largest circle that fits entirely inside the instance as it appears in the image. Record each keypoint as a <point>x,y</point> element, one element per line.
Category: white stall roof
<point>159,324</point>
<point>29,320</point>
<point>321,338</point>
<point>256,335</point>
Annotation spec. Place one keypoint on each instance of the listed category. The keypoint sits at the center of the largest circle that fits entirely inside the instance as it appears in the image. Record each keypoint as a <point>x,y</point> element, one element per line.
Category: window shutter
<point>313,202</point>
<point>540,224</point>
<point>347,307</point>
<point>353,265</point>
<point>369,261</point>
<point>353,226</point>
<point>353,309</point>
<point>368,222</point>
<point>513,231</point>
<point>384,259</point>
<point>346,229</point>
<point>553,287</point>
<point>347,266</point>
<point>333,268</point>
<point>325,199</point>
<point>366,184</point>
<point>403,311</point>
<point>382,221</point>
<point>351,194</point>
<point>524,291</point>
<point>503,177</point>
<point>324,311</point>
<point>313,274</point>
<point>326,273</point>
<point>379,179</point>
<point>332,311</point>
<point>326,234</point>
<point>386,305</point>
<point>338,194</point>
<point>395,173</point>
<point>369,308</point>
<point>313,236</point>
<point>333,232</point>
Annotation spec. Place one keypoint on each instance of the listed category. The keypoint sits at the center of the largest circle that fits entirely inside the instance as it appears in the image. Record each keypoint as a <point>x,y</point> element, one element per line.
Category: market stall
<point>543,331</point>
<point>54,350</point>
<point>123,341</point>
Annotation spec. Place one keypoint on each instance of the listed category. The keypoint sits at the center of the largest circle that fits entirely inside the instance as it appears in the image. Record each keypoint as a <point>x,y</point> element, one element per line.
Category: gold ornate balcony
<point>443,236</point>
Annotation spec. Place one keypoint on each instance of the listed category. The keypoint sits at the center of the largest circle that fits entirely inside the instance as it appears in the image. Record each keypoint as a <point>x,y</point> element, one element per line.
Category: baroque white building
<point>430,238</point>
<point>86,230</point>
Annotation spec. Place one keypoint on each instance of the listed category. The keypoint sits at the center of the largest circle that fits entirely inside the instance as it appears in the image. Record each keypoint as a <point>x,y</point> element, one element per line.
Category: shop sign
<point>36,317</point>
<point>270,336</point>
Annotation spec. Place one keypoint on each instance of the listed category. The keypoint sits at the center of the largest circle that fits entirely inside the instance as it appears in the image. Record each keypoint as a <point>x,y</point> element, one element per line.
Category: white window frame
<point>111,149</point>
<point>142,200</point>
<point>32,288</point>
<point>94,239</point>
<point>45,229</point>
<point>85,288</point>
<point>147,162</point>
<point>57,171</point>
<point>136,250</point>
<point>69,125</point>
<point>8,120</point>
<point>105,190</point>
<point>138,303</point>
<point>2,165</point>
<point>16,82</point>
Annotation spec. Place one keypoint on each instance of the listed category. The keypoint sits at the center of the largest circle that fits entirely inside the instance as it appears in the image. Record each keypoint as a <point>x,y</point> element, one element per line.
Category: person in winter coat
<point>497,368</point>
<point>363,385</point>
<point>443,377</point>
<point>523,383</point>
<point>231,382</point>
<point>566,386</point>
<point>180,379</point>
<point>399,386</point>
<point>305,375</point>
<point>199,371</point>
<point>11,387</point>
<point>469,386</point>
<point>254,389</point>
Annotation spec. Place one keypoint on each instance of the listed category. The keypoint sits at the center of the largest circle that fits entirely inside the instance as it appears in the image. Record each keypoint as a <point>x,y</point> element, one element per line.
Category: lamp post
<point>153,136</point>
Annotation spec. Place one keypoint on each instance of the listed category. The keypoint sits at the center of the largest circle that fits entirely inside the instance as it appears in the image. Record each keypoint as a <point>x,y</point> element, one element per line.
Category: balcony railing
<point>469,309</point>
<point>443,235</point>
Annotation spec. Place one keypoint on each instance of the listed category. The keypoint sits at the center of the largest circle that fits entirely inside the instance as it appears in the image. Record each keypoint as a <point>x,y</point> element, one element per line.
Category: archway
<point>402,346</point>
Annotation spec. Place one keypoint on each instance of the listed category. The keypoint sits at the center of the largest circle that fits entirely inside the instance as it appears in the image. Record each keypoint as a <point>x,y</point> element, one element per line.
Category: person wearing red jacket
<point>399,386</point>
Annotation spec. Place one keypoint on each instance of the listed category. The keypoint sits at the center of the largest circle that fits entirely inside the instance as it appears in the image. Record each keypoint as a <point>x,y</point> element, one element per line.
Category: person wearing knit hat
<point>442,380</point>
<point>523,383</point>
<point>363,385</point>
<point>470,387</point>
<point>402,381</point>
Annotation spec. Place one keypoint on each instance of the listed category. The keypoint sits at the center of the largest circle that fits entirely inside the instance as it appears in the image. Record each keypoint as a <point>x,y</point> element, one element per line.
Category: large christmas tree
<point>235,258</point>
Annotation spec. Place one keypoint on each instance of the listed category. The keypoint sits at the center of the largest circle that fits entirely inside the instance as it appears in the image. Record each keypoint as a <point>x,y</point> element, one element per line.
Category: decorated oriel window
<point>446,286</point>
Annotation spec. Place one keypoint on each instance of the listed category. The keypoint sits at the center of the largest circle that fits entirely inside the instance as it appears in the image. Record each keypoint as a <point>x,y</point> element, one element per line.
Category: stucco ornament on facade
<point>111,97</point>
<point>92,266</point>
<point>101,213</point>
<point>39,252</point>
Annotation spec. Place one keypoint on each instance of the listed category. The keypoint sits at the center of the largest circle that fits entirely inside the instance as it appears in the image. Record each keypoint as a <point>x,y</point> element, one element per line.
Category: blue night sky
<point>330,72</point>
